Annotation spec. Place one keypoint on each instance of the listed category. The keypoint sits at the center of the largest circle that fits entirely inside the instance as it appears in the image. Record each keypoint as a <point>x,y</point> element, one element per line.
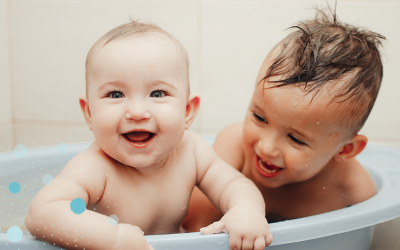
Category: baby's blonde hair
<point>129,30</point>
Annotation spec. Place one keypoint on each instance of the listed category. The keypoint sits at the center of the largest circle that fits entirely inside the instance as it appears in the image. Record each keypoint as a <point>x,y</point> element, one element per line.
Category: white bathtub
<point>348,228</point>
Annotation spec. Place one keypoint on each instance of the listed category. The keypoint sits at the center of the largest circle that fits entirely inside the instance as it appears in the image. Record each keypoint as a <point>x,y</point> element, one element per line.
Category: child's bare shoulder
<point>356,183</point>
<point>229,145</point>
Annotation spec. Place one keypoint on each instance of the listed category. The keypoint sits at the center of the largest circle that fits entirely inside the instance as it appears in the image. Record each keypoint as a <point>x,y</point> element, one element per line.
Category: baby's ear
<point>191,109</point>
<point>352,148</point>
<point>83,102</point>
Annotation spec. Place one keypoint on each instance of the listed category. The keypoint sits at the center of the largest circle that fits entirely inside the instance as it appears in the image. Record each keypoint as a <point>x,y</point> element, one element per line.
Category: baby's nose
<point>137,112</point>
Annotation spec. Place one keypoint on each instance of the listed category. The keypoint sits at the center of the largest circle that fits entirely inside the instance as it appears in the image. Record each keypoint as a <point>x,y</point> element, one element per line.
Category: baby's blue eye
<point>158,94</point>
<point>116,94</point>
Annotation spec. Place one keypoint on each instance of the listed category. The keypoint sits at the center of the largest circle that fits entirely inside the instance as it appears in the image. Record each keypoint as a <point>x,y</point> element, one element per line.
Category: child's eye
<point>297,141</point>
<point>115,94</point>
<point>259,117</point>
<point>158,93</point>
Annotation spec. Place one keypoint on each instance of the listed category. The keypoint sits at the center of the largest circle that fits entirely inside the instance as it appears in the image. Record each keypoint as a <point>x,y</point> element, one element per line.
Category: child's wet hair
<point>325,54</point>
<point>129,30</point>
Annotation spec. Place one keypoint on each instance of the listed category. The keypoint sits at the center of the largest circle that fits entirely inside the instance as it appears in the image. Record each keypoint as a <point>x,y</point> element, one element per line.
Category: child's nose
<point>268,146</point>
<point>137,111</point>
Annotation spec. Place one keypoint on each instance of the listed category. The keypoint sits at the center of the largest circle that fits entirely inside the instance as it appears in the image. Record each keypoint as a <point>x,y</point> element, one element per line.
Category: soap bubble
<point>20,151</point>
<point>62,148</point>
<point>14,187</point>
<point>113,220</point>
<point>14,234</point>
<point>78,206</point>
<point>47,179</point>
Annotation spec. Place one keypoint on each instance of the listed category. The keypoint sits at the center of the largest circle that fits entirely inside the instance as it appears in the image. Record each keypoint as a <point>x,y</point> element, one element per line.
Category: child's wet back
<point>143,165</point>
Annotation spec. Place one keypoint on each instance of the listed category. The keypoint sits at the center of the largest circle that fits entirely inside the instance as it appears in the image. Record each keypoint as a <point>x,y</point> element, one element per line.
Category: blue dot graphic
<point>62,148</point>
<point>14,234</point>
<point>14,187</point>
<point>78,206</point>
<point>113,220</point>
<point>47,179</point>
<point>20,151</point>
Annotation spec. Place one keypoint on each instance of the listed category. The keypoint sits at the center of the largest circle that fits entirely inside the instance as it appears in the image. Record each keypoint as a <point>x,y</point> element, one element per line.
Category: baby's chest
<point>149,204</point>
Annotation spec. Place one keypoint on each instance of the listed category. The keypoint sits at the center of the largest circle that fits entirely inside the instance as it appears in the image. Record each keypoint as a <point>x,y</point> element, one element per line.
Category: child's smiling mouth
<point>139,139</point>
<point>266,168</point>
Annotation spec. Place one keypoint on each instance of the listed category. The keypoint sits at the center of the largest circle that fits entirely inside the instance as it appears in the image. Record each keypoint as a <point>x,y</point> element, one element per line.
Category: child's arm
<point>51,219</point>
<point>228,146</point>
<point>234,195</point>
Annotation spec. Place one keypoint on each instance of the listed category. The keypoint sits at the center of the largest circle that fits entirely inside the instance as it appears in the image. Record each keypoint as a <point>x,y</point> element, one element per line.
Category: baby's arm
<point>228,146</point>
<point>235,196</point>
<point>50,217</point>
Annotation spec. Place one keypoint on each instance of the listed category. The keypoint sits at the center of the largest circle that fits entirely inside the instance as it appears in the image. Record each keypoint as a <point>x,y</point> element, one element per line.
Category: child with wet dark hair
<point>299,139</point>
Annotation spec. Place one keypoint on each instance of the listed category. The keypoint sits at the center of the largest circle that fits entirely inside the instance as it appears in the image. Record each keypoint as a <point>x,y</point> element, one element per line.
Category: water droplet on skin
<point>317,122</point>
<point>275,115</point>
<point>275,100</point>
<point>335,139</point>
<point>294,104</point>
<point>324,187</point>
<point>306,165</point>
<point>184,208</point>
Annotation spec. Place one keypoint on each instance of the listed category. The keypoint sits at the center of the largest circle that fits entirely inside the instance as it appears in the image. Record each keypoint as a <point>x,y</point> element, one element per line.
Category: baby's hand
<point>131,237</point>
<point>247,228</point>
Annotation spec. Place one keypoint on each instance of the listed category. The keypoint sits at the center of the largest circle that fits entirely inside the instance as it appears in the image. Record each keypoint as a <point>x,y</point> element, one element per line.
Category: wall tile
<point>39,136</point>
<point>5,88</point>
<point>6,138</point>
<point>51,40</point>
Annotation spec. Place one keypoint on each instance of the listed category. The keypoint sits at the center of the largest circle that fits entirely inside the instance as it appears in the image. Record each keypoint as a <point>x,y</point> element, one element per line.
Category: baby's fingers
<point>216,227</point>
<point>260,243</point>
<point>269,239</point>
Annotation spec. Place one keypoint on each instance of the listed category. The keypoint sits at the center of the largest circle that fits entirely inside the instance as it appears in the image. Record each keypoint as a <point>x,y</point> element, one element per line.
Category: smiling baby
<point>143,164</point>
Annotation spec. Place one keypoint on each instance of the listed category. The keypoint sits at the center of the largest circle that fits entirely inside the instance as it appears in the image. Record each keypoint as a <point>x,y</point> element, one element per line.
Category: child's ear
<point>191,109</point>
<point>83,102</point>
<point>352,148</point>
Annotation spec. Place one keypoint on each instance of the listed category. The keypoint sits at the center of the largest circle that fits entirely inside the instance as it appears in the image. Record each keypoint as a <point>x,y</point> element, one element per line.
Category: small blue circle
<point>62,148</point>
<point>14,234</point>
<point>47,179</point>
<point>78,206</point>
<point>113,220</point>
<point>14,187</point>
<point>20,151</point>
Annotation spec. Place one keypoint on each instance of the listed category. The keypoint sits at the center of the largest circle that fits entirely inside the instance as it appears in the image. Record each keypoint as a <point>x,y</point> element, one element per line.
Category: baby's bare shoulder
<point>87,171</point>
<point>356,183</point>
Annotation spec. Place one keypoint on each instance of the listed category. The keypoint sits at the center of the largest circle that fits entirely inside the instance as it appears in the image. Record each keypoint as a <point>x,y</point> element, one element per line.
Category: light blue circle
<point>14,234</point>
<point>47,179</point>
<point>113,220</point>
<point>78,206</point>
<point>14,187</point>
<point>20,151</point>
<point>62,148</point>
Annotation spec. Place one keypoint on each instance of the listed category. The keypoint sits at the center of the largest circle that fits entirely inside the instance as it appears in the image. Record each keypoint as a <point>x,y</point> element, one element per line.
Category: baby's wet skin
<point>137,176</point>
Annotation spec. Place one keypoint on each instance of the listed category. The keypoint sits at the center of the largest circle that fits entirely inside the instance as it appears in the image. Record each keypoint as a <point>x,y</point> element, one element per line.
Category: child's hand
<point>247,228</point>
<point>131,237</point>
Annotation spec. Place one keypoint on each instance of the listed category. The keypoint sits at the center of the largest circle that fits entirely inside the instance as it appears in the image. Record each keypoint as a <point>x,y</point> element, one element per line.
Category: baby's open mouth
<point>267,168</point>
<point>139,136</point>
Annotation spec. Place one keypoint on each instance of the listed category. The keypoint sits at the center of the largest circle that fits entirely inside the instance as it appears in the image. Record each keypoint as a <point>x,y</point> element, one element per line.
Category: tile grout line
<point>11,72</point>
